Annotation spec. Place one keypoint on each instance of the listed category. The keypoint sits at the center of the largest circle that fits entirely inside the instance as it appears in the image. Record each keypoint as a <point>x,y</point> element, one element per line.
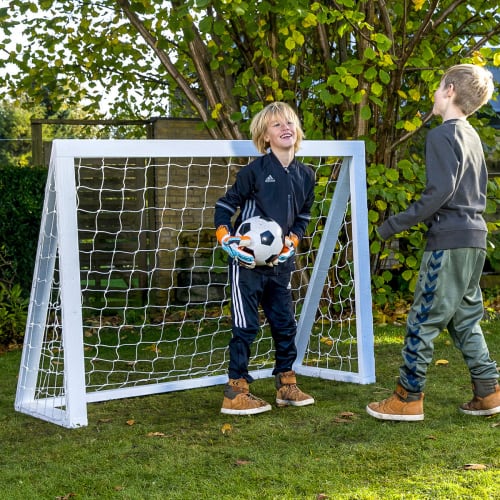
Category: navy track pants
<point>272,291</point>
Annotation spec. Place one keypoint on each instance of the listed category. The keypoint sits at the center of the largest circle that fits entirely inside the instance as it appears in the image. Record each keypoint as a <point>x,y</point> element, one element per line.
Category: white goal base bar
<point>130,293</point>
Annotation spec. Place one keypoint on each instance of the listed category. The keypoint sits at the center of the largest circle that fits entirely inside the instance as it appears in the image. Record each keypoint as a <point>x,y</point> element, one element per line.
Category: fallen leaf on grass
<point>226,429</point>
<point>432,437</point>
<point>346,417</point>
<point>347,414</point>
<point>130,422</point>
<point>496,424</point>
<point>156,434</point>
<point>475,467</point>
<point>242,462</point>
<point>153,348</point>
<point>322,496</point>
<point>326,341</point>
<point>66,497</point>
<point>442,362</point>
<point>118,488</point>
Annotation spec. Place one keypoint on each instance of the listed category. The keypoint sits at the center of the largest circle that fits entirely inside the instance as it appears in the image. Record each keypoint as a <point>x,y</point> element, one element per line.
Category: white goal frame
<point>68,405</point>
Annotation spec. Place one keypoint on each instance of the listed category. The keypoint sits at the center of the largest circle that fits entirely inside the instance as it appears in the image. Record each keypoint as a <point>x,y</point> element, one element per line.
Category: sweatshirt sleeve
<point>441,171</point>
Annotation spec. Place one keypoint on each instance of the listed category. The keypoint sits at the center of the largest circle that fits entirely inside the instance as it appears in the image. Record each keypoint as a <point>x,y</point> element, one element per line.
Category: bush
<point>21,191</point>
<point>13,314</point>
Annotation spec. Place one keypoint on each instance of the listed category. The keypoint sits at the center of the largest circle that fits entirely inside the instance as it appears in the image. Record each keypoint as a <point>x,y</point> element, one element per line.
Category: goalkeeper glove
<point>291,243</point>
<point>233,246</point>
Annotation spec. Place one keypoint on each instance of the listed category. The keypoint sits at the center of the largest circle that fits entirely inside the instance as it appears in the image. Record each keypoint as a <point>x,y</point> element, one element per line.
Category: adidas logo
<point>270,178</point>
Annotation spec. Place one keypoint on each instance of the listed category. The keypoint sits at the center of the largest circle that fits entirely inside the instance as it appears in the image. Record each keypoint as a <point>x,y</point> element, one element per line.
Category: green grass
<point>179,446</point>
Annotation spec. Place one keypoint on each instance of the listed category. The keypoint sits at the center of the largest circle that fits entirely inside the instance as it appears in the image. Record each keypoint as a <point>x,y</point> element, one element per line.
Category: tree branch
<point>406,136</point>
<point>165,60</point>
<point>386,22</point>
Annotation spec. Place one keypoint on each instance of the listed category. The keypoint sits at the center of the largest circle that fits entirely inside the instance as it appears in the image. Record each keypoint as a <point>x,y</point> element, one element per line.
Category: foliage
<point>178,445</point>
<point>15,146</point>
<point>13,314</point>
<point>354,70</point>
<point>21,192</point>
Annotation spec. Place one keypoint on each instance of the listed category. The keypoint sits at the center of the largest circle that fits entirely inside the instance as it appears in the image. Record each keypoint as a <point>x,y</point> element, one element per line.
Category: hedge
<point>22,192</point>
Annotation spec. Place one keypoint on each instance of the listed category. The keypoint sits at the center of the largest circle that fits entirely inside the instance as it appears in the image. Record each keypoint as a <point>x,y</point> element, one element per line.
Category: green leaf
<point>351,81</point>
<point>392,174</point>
<point>375,247</point>
<point>407,275</point>
<point>370,53</point>
<point>206,24</point>
<point>366,112</point>
<point>384,76</point>
<point>290,43</point>
<point>373,216</point>
<point>411,261</point>
<point>376,88</point>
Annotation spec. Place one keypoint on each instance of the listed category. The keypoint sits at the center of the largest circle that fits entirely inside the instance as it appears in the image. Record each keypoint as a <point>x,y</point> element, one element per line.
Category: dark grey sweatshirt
<point>454,198</point>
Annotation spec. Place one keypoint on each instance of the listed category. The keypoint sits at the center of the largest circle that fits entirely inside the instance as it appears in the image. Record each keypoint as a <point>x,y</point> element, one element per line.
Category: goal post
<point>130,292</point>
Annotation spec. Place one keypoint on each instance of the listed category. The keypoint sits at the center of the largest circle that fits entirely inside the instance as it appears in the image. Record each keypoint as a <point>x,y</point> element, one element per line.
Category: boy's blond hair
<point>260,121</point>
<point>473,86</point>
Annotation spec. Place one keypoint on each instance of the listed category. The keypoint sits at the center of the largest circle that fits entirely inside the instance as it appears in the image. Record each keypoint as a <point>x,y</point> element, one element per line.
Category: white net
<point>154,294</point>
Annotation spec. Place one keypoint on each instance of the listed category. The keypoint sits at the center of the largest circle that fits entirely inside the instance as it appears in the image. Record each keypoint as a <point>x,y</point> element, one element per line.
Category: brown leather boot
<point>486,400</point>
<point>288,393</point>
<point>402,405</point>
<point>239,401</point>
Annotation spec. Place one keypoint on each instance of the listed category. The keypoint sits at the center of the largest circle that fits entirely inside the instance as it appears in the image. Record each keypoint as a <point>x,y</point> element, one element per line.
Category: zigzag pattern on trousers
<point>413,330</point>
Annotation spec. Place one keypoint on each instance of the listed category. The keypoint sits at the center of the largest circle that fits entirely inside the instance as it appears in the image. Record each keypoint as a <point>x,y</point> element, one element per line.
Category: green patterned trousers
<point>447,295</point>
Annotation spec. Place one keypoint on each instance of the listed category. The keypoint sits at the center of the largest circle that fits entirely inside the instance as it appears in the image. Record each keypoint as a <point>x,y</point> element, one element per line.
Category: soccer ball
<point>266,239</point>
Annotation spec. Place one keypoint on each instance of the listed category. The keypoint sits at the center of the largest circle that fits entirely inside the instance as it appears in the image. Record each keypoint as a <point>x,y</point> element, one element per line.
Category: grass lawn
<point>179,446</point>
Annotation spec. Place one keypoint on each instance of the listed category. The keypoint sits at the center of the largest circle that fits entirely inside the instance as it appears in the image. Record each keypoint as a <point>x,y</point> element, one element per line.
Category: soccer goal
<point>130,293</point>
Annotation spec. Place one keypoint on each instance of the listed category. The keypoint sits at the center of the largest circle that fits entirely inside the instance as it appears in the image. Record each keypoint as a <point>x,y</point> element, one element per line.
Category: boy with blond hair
<point>279,187</point>
<point>447,293</point>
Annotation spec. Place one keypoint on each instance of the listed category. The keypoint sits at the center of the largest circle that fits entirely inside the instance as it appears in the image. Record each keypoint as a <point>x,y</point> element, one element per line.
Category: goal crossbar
<point>84,325</point>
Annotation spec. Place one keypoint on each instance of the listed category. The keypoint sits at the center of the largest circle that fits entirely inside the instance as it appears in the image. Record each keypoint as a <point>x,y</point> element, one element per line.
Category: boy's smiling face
<point>280,133</point>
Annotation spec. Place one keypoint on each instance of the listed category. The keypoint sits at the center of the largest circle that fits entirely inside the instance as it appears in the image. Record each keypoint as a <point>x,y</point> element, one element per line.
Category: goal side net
<point>130,294</point>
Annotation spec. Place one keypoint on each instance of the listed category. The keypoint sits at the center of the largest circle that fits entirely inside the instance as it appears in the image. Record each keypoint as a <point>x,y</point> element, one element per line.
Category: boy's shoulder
<point>307,169</point>
<point>449,128</point>
<point>252,166</point>
<point>265,162</point>
<point>257,162</point>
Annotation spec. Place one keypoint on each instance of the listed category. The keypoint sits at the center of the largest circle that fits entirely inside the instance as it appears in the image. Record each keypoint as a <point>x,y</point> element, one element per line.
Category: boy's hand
<point>288,250</point>
<point>233,246</point>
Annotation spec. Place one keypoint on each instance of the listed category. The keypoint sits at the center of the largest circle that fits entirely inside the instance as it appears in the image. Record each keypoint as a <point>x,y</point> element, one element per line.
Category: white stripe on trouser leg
<point>239,312</point>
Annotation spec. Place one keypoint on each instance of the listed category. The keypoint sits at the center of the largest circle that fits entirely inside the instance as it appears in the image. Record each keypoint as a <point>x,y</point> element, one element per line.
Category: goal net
<point>130,294</point>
